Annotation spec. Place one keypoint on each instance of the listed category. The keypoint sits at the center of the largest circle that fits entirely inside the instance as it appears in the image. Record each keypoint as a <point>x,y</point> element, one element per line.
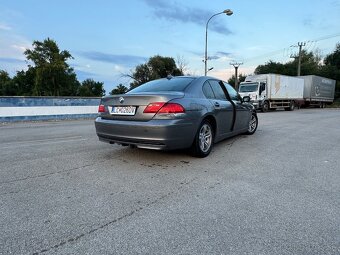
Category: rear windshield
<point>173,84</point>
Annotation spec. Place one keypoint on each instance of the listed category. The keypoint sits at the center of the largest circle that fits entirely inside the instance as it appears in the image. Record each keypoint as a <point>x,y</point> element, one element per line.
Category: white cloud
<point>13,46</point>
<point>20,48</point>
<point>225,74</point>
<point>119,68</point>
<point>5,27</point>
<point>224,59</point>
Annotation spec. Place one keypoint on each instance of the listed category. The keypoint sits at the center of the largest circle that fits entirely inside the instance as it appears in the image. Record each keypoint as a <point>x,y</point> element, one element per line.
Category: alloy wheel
<point>252,124</point>
<point>205,138</point>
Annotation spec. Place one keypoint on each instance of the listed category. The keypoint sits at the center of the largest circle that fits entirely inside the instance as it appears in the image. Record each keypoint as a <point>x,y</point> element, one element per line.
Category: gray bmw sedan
<point>174,113</point>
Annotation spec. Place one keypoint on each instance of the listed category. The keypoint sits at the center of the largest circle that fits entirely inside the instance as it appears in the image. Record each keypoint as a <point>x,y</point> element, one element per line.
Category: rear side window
<point>207,91</point>
<point>173,84</point>
<point>218,91</point>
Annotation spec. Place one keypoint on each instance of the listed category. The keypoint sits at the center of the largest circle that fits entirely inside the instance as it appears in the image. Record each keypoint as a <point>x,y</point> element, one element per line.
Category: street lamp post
<point>227,12</point>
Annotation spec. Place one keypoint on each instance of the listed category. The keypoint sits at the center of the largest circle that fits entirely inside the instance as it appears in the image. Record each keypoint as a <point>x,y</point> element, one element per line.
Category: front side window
<point>232,92</point>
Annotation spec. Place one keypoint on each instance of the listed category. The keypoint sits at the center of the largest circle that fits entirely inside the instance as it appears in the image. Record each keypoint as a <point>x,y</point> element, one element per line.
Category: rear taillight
<point>164,108</point>
<point>172,108</point>
<point>153,107</point>
<point>101,108</point>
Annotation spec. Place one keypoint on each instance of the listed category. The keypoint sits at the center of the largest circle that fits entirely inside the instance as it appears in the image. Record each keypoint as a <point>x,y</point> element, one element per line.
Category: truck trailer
<point>318,91</point>
<point>272,91</point>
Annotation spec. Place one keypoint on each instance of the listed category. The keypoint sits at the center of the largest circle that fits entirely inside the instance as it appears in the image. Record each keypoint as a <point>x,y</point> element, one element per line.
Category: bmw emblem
<point>121,100</point>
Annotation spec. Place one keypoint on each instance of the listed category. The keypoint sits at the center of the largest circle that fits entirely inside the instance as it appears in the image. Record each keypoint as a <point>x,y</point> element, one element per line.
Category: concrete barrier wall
<point>47,108</point>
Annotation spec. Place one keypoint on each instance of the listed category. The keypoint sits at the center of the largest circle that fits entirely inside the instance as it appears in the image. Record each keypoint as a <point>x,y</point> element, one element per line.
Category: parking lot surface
<point>276,192</point>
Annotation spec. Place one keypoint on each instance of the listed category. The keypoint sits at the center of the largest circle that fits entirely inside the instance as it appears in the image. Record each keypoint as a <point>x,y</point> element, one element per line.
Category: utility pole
<point>299,56</point>
<point>236,65</point>
<point>302,44</point>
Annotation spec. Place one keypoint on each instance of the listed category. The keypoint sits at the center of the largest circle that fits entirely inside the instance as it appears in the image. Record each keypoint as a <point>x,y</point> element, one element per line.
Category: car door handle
<point>217,104</point>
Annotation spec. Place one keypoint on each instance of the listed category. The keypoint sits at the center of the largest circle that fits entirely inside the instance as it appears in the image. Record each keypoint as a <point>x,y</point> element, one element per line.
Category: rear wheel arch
<point>212,121</point>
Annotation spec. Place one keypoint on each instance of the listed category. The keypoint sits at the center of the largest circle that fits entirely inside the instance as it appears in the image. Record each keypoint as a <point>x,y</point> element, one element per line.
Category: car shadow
<point>160,158</point>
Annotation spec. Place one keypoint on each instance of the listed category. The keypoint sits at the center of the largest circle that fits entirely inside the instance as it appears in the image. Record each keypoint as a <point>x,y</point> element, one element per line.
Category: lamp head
<point>228,12</point>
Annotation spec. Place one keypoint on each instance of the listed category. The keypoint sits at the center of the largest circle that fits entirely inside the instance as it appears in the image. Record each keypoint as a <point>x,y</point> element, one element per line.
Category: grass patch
<point>336,104</point>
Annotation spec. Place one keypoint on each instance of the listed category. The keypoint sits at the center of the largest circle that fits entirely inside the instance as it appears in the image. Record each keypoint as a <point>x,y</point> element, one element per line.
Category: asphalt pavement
<point>275,192</point>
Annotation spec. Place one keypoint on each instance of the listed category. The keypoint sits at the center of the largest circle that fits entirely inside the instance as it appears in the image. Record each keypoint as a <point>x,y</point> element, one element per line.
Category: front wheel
<point>265,106</point>
<point>204,140</point>
<point>253,123</point>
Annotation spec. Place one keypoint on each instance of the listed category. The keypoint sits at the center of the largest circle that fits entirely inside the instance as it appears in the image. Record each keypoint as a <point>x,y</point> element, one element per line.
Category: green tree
<point>70,83</point>
<point>310,64</point>
<point>91,88</point>
<point>120,89</point>
<point>5,82</point>
<point>331,69</point>
<point>241,78</point>
<point>270,67</point>
<point>333,59</point>
<point>24,82</point>
<point>51,70</point>
<point>156,67</point>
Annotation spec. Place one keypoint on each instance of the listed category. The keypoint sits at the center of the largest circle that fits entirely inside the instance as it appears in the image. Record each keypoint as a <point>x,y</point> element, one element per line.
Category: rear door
<point>223,109</point>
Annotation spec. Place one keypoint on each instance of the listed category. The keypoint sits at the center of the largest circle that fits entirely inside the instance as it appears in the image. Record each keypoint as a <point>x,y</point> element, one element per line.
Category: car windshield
<point>173,84</point>
<point>248,87</point>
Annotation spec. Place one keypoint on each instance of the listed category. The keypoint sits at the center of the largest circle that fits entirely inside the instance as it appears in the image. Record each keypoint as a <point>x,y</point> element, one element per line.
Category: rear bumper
<point>153,134</point>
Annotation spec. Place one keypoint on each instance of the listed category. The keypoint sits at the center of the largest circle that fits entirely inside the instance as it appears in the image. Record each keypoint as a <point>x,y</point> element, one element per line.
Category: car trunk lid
<point>132,106</point>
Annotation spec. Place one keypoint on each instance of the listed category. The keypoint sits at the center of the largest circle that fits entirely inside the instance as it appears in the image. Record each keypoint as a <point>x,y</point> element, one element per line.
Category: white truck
<point>271,91</point>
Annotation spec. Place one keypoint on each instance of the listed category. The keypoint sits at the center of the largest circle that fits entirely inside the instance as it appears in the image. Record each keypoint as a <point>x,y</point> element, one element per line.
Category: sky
<point>109,38</point>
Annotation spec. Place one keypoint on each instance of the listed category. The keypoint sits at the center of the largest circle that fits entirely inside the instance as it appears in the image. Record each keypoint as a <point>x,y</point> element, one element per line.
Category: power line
<point>284,50</point>
<point>327,37</point>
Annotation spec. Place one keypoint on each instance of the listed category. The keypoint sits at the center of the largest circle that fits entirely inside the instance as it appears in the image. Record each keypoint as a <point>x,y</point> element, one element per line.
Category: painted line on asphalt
<point>46,110</point>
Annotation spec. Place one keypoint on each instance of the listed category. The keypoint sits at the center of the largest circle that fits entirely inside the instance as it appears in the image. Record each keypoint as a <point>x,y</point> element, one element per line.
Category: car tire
<point>265,106</point>
<point>204,140</point>
<point>253,123</point>
<point>291,106</point>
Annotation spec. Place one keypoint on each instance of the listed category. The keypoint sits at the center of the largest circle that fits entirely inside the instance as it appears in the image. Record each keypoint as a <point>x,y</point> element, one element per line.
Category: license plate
<point>123,110</point>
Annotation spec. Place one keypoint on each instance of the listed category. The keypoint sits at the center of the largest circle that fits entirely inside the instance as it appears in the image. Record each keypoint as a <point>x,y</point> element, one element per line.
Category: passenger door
<point>241,110</point>
<point>223,109</point>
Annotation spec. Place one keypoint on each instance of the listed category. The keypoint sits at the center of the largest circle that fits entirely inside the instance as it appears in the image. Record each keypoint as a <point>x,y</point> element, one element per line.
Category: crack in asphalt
<point>129,214</point>
<point>44,175</point>
<point>234,141</point>
<point>53,173</point>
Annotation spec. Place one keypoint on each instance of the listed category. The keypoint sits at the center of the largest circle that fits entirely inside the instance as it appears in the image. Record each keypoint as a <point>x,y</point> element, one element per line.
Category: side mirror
<point>246,99</point>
